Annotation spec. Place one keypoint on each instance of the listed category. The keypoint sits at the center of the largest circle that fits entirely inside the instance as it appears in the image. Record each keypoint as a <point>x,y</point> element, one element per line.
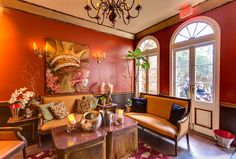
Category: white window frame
<point>211,37</point>
<point>151,52</point>
<point>214,38</point>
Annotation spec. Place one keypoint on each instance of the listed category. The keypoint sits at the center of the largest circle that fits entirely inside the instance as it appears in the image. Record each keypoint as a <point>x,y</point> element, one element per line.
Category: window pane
<point>208,30</point>
<point>152,79</point>
<point>153,87</point>
<point>204,73</point>
<point>182,74</point>
<point>200,27</point>
<point>184,32</point>
<point>180,38</point>
<point>204,92</point>
<point>194,30</point>
<point>204,55</point>
<point>147,45</point>
<point>182,90</point>
<point>182,58</point>
<point>142,81</point>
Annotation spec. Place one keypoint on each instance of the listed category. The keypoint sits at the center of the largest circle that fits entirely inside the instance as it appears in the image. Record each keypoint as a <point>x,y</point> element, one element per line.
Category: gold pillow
<point>84,104</point>
<point>59,110</point>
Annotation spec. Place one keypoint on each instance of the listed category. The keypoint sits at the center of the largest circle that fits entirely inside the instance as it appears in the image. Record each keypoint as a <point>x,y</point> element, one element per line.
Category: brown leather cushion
<point>154,123</point>
<point>8,148</point>
<point>69,100</point>
<point>161,106</point>
<point>58,122</point>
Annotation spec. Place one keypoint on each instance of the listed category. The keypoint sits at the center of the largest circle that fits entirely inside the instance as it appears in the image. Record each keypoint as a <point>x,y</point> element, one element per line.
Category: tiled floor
<point>201,147</point>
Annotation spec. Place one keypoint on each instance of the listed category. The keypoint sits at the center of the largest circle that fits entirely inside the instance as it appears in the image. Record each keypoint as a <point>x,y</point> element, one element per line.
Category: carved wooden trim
<point>198,9</point>
<point>60,16</point>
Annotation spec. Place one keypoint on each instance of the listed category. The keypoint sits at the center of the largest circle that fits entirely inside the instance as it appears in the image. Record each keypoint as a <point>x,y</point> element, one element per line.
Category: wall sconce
<point>39,51</point>
<point>99,56</point>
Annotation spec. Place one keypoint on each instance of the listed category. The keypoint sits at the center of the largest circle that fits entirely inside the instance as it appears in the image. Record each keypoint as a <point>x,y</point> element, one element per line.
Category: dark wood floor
<point>201,147</point>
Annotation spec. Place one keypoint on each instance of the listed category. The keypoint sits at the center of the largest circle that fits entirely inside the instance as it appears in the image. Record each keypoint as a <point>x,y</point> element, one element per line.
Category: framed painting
<point>67,67</point>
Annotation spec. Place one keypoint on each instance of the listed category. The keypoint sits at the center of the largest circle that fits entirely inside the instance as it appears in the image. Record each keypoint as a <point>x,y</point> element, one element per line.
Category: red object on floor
<point>224,134</point>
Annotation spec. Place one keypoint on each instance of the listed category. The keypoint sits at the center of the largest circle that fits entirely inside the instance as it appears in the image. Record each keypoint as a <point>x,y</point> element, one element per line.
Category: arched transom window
<point>149,79</point>
<point>193,30</point>
<point>148,45</point>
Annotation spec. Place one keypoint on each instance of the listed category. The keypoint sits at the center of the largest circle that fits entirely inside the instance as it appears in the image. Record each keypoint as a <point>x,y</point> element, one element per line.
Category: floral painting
<point>67,67</point>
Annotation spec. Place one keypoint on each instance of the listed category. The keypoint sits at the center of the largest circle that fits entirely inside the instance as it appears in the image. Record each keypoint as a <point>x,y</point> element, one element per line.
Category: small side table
<point>111,107</point>
<point>29,127</point>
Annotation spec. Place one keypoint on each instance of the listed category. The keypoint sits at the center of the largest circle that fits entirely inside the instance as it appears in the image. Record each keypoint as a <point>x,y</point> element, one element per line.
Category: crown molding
<point>198,9</point>
<point>56,15</point>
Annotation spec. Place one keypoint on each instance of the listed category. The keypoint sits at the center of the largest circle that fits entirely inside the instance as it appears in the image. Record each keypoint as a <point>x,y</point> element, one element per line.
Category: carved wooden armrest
<point>183,126</point>
<point>10,129</point>
<point>12,133</point>
<point>40,121</point>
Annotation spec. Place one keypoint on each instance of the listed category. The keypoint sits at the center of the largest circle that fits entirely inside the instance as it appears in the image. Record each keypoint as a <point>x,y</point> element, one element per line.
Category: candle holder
<point>120,116</point>
<point>71,124</point>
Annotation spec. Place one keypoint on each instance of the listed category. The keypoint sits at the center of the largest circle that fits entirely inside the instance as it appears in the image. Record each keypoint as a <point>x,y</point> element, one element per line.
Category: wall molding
<point>228,105</point>
<point>63,17</point>
<point>198,9</point>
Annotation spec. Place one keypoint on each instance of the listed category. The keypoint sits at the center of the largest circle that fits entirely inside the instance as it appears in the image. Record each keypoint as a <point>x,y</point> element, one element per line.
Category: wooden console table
<point>29,127</point>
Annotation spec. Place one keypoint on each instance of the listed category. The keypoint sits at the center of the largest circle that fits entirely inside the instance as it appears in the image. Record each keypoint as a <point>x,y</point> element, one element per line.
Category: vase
<point>15,112</point>
<point>103,102</point>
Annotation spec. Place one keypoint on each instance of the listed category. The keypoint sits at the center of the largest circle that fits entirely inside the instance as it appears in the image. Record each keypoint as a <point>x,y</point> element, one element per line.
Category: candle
<point>88,2</point>
<point>71,119</point>
<point>35,46</point>
<point>98,4</point>
<point>120,113</point>
<point>46,48</point>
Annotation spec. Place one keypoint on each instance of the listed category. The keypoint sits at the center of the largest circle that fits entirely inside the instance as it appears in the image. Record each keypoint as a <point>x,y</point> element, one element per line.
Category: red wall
<point>225,16</point>
<point>19,30</point>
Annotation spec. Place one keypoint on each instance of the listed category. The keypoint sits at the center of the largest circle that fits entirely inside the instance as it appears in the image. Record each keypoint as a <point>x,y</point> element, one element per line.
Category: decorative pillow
<point>85,104</point>
<point>94,103</point>
<point>177,113</point>
<point>139,105</point>
<point>43,109</point>
<point>59,110</point>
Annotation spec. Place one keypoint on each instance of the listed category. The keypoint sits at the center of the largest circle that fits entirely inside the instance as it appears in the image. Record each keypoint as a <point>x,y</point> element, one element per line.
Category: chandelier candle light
<point>112,9</point>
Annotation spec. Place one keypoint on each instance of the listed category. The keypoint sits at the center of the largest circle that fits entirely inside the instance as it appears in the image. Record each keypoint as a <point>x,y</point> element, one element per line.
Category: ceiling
<point>154,11</point>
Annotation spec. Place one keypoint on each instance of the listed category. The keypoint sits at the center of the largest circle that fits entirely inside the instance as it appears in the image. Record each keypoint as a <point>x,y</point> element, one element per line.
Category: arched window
<point>149,79</point>
<point>195,57</point>
<point>193,30</point>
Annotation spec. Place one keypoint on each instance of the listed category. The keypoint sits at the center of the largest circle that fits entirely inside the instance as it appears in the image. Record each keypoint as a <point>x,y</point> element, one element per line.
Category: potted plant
<point>128,105</point>
<point>141,62</point>
<point>103,100</point>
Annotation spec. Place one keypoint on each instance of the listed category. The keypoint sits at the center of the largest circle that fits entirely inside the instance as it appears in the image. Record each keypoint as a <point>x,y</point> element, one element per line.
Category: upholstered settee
<point>70,103</point>
<point>156,118</point>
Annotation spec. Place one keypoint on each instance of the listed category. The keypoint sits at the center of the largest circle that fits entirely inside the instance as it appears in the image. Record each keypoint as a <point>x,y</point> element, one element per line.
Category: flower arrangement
<point>80,78</point>
<point>22,96</point>
<point>51,81</point>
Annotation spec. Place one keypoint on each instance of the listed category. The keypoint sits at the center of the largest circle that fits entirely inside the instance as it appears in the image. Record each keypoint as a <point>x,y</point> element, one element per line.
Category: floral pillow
<point>59,110</point>
<point>85,104</point>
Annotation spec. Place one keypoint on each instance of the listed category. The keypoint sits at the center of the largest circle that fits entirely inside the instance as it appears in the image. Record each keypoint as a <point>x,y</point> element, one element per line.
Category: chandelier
<point>113,10</point>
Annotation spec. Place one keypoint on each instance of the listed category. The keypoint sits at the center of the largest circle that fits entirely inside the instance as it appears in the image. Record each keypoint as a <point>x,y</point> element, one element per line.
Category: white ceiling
<point>153,11</point>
